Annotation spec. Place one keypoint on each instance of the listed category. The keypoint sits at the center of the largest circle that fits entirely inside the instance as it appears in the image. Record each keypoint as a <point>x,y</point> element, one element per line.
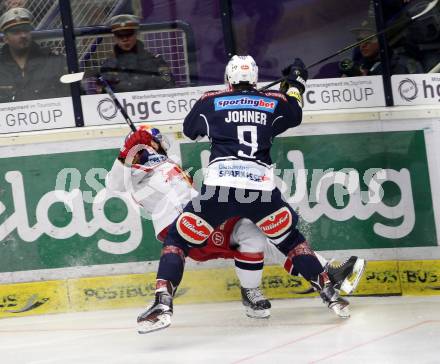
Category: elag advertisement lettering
<point>55,212</point>
<point>371,191</point>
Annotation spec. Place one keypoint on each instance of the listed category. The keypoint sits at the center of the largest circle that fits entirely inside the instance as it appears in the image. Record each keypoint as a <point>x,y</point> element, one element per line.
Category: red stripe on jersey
<point>276,94</point>
<point>214,93</point>
<point>141,167</point>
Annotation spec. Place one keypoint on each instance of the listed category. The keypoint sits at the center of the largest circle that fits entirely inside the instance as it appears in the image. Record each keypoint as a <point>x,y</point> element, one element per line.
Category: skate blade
<point>258,314</point>
<point>162,322</point>
<point>341,311</point>
<point>351,282</point>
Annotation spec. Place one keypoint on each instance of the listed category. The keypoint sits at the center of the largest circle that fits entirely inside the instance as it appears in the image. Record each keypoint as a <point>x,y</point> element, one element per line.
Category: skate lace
<point>255,294</point>
<point>334,264</point>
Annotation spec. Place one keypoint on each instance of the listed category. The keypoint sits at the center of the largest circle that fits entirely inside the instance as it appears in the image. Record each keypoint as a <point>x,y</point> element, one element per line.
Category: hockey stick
<point>435,69</point>
<point>405,23</point>
<point>112,95</point>
<point>75,77</point>
<point>72,77</point>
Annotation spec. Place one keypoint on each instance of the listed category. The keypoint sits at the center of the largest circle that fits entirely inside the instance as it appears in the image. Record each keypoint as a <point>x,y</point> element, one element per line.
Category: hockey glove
<point>296,76</point>
<point>133,139</point>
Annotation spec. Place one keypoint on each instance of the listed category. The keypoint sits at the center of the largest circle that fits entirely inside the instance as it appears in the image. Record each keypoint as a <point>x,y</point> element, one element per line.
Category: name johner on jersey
<point>244,116</point>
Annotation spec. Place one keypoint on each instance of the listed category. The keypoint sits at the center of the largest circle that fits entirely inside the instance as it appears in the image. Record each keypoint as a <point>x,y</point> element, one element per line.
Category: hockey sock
<point>308,266</point>
<point>171,265</point>
<point>303,261</point>
<point>249,268</point>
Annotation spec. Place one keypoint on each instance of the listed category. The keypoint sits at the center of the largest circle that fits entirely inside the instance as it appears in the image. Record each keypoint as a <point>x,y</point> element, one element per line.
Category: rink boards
<point>101,254</point>
<point>205,285</point>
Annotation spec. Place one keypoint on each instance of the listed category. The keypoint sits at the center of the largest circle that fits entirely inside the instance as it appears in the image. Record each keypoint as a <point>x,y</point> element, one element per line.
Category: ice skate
<point>256,305</point>
<point>157,316</point>
<point>330,296</point>
<point>346,276</point>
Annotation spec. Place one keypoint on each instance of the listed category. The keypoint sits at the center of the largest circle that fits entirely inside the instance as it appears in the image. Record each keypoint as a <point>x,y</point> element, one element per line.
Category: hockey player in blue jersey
<point>241,124</point>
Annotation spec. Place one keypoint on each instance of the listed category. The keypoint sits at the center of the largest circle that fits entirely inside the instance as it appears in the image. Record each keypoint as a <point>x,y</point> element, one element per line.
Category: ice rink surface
<point>380,330</point>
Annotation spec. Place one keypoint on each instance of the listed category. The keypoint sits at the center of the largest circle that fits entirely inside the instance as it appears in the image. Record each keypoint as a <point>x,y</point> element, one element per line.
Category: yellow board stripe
<point>210,285</point>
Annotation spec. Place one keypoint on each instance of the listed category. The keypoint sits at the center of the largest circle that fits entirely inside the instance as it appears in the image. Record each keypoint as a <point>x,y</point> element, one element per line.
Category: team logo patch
<point>217,238</point>
<point>277,223</point>
<point>193,229</point>
<point>245,102</point>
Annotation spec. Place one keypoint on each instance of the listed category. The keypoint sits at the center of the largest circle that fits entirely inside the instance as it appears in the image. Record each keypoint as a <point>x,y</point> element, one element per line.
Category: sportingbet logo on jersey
<point>245,102</point>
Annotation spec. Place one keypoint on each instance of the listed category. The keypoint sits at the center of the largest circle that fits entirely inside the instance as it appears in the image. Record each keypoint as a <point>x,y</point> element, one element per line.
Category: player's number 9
<point>253,144</point>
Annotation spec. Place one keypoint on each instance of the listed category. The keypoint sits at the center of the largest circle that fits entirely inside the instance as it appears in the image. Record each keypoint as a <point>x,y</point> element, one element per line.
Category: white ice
<point>381,330</point>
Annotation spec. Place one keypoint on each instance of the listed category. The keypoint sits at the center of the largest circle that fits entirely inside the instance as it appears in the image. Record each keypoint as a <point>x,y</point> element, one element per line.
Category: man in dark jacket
<point>27,71</point>
<point>132,67</point>
<point>367,61</point>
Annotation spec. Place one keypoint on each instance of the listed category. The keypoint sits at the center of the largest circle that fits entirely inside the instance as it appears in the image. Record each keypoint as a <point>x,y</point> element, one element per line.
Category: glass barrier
<point>158,53</point>
<point>144,50</point>
<point>414,51</point>
<point>311,30</point>
<point>414,46</point>
<point>317,32</point>
<point>176,44</point>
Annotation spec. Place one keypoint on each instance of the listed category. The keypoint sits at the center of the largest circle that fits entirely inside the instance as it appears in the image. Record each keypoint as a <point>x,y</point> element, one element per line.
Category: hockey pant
<point>237,239</point>
<point>214,205</point>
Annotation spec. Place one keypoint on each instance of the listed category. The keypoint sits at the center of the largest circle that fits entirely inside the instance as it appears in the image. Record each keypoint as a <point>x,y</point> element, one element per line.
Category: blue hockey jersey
<point>241,126</point>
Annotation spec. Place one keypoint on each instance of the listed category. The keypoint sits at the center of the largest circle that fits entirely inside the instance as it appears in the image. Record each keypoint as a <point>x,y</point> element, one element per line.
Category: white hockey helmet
<point>241,69</point>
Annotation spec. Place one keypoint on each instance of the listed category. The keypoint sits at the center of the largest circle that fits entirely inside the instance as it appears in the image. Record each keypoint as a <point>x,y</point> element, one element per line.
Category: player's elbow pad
<point>114,181</point>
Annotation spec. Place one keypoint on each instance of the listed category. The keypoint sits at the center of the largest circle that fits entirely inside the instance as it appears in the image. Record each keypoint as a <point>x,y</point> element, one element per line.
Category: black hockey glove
<point>296,76</point>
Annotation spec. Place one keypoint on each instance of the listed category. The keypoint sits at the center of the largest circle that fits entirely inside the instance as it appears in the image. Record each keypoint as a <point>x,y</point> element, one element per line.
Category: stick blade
<point>72,77</point>
<point>428,8</point>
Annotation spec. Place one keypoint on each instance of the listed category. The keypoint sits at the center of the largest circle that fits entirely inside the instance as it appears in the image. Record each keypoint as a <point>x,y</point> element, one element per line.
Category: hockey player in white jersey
<point>160,186</point>
<point>162,189</point>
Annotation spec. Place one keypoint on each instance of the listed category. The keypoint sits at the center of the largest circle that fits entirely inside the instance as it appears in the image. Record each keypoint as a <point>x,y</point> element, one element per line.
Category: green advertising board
<point>39,229</point>
<point>353,191</point>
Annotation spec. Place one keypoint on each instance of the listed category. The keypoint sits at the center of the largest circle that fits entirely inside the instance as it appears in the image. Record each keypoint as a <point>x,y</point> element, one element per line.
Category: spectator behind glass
<point>132,67</point>
<point>423,35</point>
<point>27,71</point>
<point>421,39</point>
<point>366,58</point>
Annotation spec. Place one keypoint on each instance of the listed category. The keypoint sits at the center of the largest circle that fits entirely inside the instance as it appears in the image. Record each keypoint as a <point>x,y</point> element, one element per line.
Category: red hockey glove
<point>133,139</point>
